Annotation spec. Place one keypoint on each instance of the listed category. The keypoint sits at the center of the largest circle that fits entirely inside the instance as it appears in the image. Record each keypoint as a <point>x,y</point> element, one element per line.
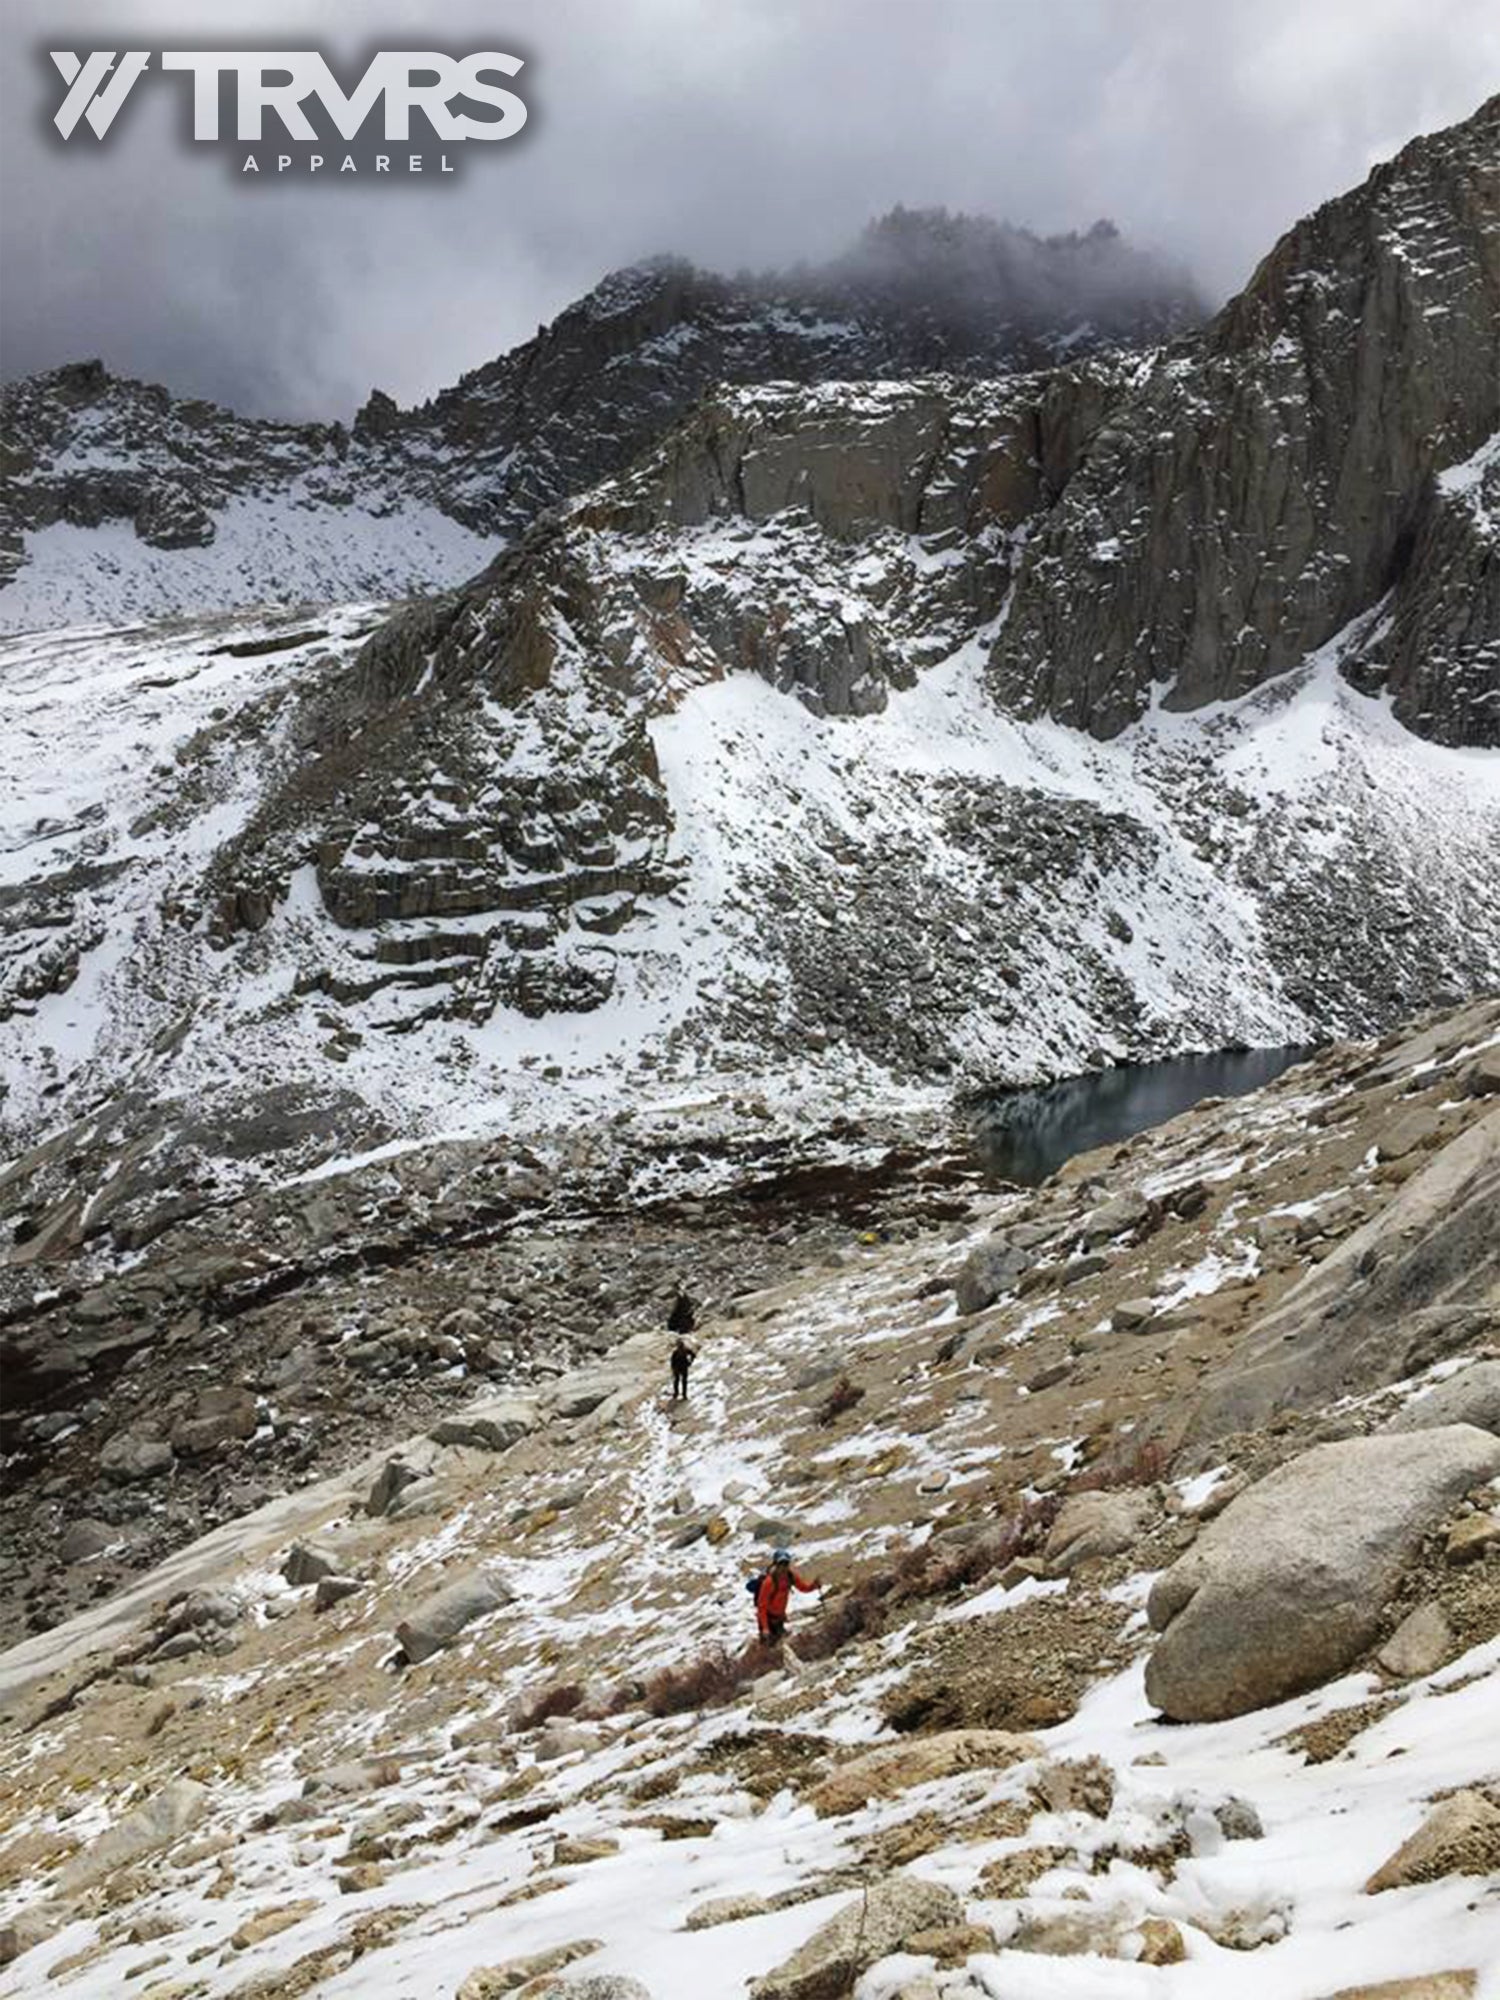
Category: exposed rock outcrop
<point>1286,1587</point>
<point>1388,1301</point>
<point>1266,484</point>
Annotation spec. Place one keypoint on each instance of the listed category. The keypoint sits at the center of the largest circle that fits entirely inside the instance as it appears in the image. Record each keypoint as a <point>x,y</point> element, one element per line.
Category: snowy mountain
<point>118,501</point>
<point>724,775</point>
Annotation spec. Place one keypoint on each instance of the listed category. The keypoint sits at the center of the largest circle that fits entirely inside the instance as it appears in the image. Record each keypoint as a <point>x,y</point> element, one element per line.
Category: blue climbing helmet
<point>780,1556</point>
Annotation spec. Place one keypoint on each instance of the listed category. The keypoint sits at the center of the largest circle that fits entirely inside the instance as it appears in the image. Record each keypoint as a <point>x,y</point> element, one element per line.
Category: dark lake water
<point>1024,1135</point>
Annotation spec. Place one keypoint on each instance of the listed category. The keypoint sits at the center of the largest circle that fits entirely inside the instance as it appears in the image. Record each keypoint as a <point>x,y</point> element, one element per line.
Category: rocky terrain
<point>118,500</point>
<point>841,697</point>
<point>1135,1668</point>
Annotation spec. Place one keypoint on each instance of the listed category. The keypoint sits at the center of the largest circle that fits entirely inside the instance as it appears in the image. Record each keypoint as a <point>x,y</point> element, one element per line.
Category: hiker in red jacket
<point>774,1595</point>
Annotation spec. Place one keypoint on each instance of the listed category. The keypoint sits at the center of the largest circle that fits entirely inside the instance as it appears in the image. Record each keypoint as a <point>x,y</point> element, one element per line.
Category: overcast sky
<point>734,131</point>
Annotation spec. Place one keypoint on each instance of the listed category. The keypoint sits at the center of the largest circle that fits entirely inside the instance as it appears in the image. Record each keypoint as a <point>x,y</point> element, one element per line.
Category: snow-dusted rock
<point>333,1589</point>
<point>1355,1321</point>
<point>1460,1836</point>
<point>489,1982</point>
<point>1286,1587</point>
<point>1472,1396</point>
<point>306,1562</point>
<point>918,1760</point>
<point>1460,1985</point>
<point>872,1926</point>
<point>991,1269</point>
<point>353,1777</point>
<point>165,1816</point>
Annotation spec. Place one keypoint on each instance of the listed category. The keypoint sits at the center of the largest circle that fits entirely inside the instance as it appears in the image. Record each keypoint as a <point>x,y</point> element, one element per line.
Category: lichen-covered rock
<point>1460,1836</point>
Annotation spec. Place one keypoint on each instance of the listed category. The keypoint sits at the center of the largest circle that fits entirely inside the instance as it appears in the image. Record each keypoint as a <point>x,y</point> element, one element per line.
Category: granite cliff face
<point>1297,465</point>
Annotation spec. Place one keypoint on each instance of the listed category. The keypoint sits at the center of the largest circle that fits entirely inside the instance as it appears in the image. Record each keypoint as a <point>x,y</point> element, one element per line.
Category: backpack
<point>753,1583</point>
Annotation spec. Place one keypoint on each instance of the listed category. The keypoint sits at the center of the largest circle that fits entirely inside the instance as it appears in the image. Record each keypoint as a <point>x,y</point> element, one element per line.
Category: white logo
<point>282,81</point>
<point>89,96</point>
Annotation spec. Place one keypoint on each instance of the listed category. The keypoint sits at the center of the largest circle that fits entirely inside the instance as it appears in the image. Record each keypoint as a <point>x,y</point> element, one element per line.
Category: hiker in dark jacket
<point>775,1594</point>
<point>684,1314</point>
<point>682,1359</point>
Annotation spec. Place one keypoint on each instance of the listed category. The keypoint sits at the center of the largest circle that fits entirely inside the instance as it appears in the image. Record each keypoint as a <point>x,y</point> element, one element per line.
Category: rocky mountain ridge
<point>224,510</point>
<point>1294,468</point>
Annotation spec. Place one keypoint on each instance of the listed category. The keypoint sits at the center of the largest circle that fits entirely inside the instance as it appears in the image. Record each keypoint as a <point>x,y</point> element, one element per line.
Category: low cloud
<point>737,132</point>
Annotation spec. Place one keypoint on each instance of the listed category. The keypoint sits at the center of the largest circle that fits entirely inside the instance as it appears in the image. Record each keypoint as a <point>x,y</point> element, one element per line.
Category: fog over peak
<point>736,133</point>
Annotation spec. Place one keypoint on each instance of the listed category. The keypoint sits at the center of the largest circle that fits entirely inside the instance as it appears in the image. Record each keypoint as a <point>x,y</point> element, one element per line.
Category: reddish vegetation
<point>843,1397</point>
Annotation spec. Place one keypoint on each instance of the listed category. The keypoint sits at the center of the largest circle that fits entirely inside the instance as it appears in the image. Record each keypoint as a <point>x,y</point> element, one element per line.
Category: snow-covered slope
<point>264,551</point>
<point>1268,871</point>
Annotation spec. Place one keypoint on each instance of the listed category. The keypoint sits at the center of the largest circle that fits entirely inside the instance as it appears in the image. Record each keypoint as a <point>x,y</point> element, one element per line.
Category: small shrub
<point>1135,1462</point>
<point>565,1699</point>
<point>705,1682</point>
<point>841,1398</point>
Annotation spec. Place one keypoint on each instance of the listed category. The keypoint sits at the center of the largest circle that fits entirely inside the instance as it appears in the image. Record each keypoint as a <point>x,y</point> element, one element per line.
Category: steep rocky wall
<point>1263,484</point>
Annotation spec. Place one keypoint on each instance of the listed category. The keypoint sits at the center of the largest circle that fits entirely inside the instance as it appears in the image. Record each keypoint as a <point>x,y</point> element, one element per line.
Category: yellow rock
<point>886,1462</point>
<point>897,1767</point>
<point>1162,1944</point>
<point>267,1923</point>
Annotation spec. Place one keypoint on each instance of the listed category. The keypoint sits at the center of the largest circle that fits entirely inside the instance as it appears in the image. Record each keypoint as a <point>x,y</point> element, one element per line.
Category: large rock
<point>393,1478</point>
<point>1470,1397</point>
<point>85,1539</point>
<point>1122,1215</point>
<point>490,1426</point>
<point>28,1928</point>
<point>1377,1306</point>
<point>131,1456</point>
<point>989,1271</point>
<point>1287,1586</point>
<point>871,1927</point>
<point>918,1760</point>
<point>306,1563</point>
<point>218,1417</point>
<point>1096,1524</point>
<point>166,1815</point>
<point>439,1619</point>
